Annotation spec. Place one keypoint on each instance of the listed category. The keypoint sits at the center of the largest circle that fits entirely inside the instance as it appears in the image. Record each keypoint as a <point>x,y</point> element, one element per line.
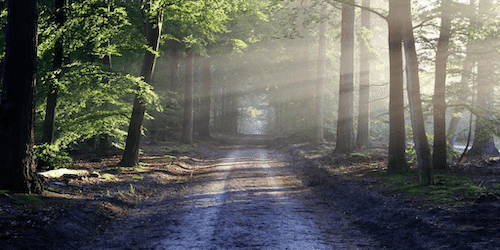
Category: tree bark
<point>439,149</point>
<point>363,136</point>
<point>50,110</point>
<point>187,124</point>
<point>206,99</point>
<point>397,136</point>
<point>413,88</point>
<point>345,126</point>
<point>320,83</point>
<point>132,146</point>
<point>17,106</point>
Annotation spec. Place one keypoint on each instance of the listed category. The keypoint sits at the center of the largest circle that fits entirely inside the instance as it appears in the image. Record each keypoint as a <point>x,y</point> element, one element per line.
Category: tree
<point>439,149</point>
<point>397,142</point>
<point>484,143</point>
<point>462,92</point>
<point>413,88</point>
<point>363,136</point>
<point>345,125</point>
<point>50,111</point>
<point>17,102</point>
<point>320,83</point>
<point>206,98</point>
<point>187,124</point>
<point>153,31</point>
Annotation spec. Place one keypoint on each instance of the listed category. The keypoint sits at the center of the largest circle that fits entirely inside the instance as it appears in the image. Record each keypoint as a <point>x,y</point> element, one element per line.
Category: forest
<point>92,79</point>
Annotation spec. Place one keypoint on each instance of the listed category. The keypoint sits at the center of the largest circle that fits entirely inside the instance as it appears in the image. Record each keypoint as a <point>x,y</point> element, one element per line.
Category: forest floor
<point>255,193</point>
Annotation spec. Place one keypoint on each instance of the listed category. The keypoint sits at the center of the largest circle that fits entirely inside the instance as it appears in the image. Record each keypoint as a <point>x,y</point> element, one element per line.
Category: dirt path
<point>252,199</point>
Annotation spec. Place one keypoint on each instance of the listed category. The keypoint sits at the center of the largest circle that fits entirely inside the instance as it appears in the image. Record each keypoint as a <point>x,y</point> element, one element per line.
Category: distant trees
<point>320,81</point>
<point>17,103</point>
<point>187,122</point>
<point>484,143</point>
<point>363,135</point>
<point>206,98</point>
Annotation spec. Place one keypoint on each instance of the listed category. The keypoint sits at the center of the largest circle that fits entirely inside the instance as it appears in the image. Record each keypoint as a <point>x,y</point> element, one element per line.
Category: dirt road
<point>251,199</point>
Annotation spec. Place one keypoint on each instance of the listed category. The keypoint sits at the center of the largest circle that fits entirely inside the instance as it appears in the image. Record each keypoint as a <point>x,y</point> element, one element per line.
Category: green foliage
<point>51,157</point>
<point>132,189</point>
<point>94,100</point>
<point>92,27</point>
<point>107,176</point>
<point>451,153</point>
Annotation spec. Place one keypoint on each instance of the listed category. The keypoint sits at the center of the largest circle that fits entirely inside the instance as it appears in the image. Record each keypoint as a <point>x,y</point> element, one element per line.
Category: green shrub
<point>49,157</point>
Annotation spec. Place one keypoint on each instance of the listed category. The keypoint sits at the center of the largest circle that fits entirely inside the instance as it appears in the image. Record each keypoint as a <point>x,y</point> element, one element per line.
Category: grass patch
<point>138,177</point>
<point>180,148</point>
<point>132,189</point>
<point>356,156</point>
<point>446,188</point>
<point>141,167</point>
<point>108,176</point>
<point>170,157</point>
<point>26,198</point>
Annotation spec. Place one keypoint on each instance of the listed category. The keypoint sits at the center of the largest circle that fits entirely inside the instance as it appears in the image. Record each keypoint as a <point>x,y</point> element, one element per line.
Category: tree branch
<point>381,15</point>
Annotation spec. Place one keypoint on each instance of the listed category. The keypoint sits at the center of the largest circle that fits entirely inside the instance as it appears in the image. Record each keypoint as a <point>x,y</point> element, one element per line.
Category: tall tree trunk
<point>187,124</point>
<point>413,87</point>
<point>397,141</point>
<point>363,136</point>
<point>439,149</point>
<point>206,99</point>
<point>17,105</point>
<point>345,126</point>
<point>320,83</point>
<point>131,153</point>
<point>50,109</point>
<point>484,143</point>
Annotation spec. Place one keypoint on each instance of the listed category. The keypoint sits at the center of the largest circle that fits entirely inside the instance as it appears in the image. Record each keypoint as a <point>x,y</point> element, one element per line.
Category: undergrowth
<point>447,188</point>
